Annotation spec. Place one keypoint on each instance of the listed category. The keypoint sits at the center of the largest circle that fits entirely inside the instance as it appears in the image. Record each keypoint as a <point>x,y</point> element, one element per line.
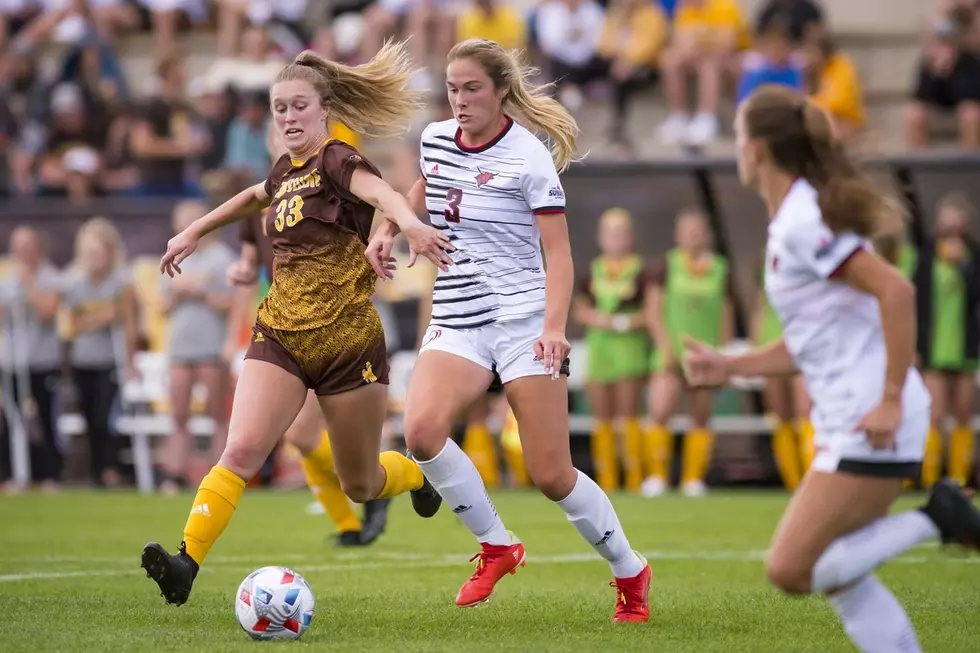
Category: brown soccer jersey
<point>319,306</point>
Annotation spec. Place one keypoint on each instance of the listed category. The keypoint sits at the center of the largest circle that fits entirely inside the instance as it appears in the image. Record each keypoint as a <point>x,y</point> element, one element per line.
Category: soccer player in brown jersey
<point>307,432</point>
<point>317,329</point>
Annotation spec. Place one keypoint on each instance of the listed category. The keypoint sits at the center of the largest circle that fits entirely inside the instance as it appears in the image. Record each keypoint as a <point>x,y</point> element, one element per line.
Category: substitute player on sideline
<point>848,323</point>
<point>317,329</point>
<point>491,186</point>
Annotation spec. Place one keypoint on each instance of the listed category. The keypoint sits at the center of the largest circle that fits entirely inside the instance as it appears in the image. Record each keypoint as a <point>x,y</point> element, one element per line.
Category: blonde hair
<point>957,202</point>
<point>373,97</point>
<point>616,216</point>
<point>538,111</point>
<point>104,231</point>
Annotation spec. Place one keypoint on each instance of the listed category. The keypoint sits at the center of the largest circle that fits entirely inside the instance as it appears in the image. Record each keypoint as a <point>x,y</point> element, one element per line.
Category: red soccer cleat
<point>493,563</point>
<point>633,597</point>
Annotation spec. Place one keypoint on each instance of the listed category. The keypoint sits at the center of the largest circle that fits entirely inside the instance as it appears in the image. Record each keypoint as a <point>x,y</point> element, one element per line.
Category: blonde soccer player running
<point>317,329</point>
<point>849,328</point>
<point>492,187</point>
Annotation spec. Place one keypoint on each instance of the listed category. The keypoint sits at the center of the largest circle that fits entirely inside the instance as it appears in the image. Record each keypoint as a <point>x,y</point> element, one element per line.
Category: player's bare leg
<point>836,532</point>
<point>442,385</point>
<point>540,404</point>
<point>355,420</point>
<point>627,399</point>
<point>778,396</point>
<point>267,400</point>
<point>658,446</point>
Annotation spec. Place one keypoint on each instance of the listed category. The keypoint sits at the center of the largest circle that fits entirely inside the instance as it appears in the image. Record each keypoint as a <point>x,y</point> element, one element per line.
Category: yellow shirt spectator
<point>636,36</point>
<point>707,16</point>
<point>344,133</point>
<point>839,90</point>
<point>502,24</point>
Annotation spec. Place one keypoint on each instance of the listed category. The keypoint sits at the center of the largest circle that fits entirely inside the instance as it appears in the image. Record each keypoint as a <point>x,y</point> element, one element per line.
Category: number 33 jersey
<point>488,199</point>
<point>318,230</point>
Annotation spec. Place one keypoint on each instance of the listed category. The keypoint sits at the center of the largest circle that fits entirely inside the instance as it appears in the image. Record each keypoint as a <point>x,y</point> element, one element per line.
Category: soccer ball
<point>274,603</point>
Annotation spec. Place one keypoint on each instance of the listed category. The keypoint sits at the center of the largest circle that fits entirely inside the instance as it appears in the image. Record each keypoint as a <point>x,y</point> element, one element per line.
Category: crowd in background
<point>82,128</point>
<point>85,129</point>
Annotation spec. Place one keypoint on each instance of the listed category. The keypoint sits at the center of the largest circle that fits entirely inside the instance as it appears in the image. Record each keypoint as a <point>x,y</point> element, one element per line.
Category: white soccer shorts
<point>506,346</point>
<point>851,452</point>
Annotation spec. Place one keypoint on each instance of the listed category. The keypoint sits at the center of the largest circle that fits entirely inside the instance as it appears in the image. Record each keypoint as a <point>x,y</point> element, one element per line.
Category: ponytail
<point>373,97</point>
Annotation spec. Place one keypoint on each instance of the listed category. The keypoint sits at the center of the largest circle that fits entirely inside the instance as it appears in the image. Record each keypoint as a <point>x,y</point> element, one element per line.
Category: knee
<point>305,440</point>
<point>426,434</point>
<point>969,112</point>
<point>916,115</point>
<point>358,490</point>
<point>785,573</point>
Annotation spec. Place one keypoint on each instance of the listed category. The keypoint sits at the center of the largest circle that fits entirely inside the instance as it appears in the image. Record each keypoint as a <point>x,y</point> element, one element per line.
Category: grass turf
<point>70,580</point>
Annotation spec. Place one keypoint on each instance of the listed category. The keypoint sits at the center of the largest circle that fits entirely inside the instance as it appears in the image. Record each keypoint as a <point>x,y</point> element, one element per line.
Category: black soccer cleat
<point>426,500</point>
<point>348,538</point>
<point>173,574</point>
<point>954,514</point>
<point>375,520</point>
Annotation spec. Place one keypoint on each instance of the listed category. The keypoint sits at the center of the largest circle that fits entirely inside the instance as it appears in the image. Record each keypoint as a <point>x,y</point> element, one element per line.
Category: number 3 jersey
<point>488,198</point>
<point>318,230</point>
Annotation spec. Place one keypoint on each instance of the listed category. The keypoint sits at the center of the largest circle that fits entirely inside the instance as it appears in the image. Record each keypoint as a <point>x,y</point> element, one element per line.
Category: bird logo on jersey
<point>484,177</point>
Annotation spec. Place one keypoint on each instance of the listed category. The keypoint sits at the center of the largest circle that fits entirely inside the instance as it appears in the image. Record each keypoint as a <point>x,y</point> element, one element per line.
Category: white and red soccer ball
<point>274,603</point>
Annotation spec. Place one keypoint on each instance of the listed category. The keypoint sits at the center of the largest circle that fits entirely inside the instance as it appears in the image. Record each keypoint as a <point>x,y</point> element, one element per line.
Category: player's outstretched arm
<point>773,359</point>
<point>706,366</point>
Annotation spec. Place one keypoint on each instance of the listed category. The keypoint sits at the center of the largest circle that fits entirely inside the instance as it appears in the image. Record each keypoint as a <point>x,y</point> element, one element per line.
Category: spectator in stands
<point>285,18</point>
<point>568,34</point>
<point>247,156</point>
<point>166,16</point>
<point>835,86</point>
<point>255,69</point>
<point>30,354</point>
<point>215,107</point>
<point>196,303</point>
<point>70,161</point>
<point>70,21</point>
<point>708,34</point>
<point>803,17</point>
<point>774,63</point>
<point>948,80</point>
<point>99,329</point>
<point>381,20</point>
<point>965,14</point>
<point>168,136</point>
<point>494,20</point>
<point>14,15</point>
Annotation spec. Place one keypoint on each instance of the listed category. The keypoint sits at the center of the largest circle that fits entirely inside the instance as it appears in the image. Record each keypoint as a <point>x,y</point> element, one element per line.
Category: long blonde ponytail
<point>373,97</point>
<point>536,109</point>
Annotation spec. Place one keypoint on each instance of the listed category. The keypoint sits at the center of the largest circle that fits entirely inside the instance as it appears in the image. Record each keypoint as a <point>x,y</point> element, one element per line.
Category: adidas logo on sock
<point>459,510</point>
<point>605,538</point>
<point>201,509</point>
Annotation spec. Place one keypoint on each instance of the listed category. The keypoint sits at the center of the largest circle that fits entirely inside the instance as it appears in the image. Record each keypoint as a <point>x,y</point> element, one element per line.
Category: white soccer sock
<point>873,618</point>
<point>592,515</point>
<point>453,475</point>
<point>861,552</point>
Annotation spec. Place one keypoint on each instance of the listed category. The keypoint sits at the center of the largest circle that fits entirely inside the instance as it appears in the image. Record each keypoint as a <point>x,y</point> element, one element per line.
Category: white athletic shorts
<point>403,7</point>
<point>504,347</point>
<point>851,452</point>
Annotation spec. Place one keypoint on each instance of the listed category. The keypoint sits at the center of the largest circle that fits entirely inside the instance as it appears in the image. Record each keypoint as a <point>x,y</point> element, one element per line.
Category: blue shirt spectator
<point>773,64</point>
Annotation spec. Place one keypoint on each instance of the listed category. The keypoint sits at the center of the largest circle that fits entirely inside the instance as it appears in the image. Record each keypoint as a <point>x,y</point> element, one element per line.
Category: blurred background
<point>121,120</point>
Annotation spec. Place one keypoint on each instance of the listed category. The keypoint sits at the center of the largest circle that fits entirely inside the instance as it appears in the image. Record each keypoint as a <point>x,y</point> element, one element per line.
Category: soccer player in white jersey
<point>493,187</point>
<point>849,327</point>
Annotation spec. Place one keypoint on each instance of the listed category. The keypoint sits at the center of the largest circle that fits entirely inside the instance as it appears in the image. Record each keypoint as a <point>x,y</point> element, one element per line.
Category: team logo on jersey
<point>368,373</point>
<point>484,177</point>
<point>825,247</point>
<point>556,192</point>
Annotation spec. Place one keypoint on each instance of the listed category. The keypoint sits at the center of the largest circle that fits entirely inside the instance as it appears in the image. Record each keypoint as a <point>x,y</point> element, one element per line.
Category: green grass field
<point>70,581</point>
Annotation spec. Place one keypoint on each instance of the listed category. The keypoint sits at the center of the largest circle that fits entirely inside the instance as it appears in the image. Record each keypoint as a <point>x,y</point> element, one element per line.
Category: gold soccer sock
<point>401,475</point>
<point>325,485</point>
<point>478,444</point>
<point>932,460</point>
<point>604,456</point>
<point>658,452</point>
<point>632,455</point>
<point>806,434</point>
<point>698,444</point>
<point>961,455</point>
<point>787,455</point>
<point>510,442</point>
<point>213,506</point>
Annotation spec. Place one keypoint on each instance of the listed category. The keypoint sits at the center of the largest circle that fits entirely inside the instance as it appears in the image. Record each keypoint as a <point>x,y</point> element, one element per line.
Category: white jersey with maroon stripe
<point>832,330</point>
<point>488,199</point>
